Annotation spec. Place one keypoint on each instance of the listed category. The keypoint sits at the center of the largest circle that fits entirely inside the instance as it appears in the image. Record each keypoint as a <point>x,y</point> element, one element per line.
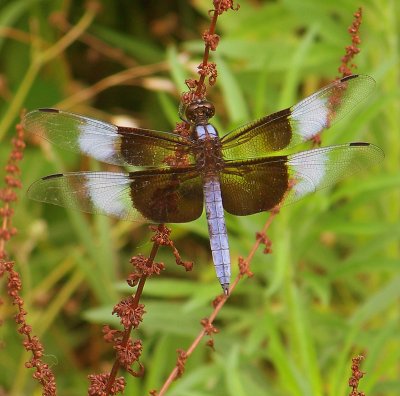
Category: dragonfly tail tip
<point>225,288</point>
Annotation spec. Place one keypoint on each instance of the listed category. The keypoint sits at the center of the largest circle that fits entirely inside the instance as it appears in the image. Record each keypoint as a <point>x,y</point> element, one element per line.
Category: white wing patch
<point>109,199</point>
<point>311,116</point>
<point>99,146</point>
<point>312,174</point>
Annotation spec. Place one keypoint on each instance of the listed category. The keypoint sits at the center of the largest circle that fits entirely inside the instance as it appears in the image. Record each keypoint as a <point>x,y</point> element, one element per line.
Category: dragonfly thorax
<point>208,150</point>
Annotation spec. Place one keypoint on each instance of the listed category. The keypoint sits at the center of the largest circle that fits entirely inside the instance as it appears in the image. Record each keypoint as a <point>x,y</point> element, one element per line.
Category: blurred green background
<point>331,288</point>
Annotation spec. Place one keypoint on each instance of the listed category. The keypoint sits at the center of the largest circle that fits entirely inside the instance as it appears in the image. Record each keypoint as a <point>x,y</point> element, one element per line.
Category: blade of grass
<point>233,96</point>
<point>297,62</point>
<point>178,73</point>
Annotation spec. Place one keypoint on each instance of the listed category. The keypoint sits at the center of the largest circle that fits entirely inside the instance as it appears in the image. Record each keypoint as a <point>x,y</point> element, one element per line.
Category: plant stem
<point>127,332</point>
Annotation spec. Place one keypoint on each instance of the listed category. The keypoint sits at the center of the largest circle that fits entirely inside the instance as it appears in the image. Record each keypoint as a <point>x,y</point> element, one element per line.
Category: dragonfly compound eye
<point>200,112</point>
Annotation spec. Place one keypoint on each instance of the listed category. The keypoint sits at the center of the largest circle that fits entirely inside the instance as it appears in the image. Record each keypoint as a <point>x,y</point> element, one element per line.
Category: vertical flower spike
<point>8,195</point>
<point>353,49</point>
<point>197,88</point>
<point>356,375</point>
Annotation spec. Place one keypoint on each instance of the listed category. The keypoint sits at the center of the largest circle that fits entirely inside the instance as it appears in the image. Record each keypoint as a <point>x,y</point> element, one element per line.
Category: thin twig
<point>95,43</point>
<point>111,81</point>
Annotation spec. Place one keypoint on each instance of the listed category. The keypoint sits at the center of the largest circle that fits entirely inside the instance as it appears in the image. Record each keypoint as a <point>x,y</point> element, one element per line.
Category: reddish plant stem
<point>127,333</point>
<point>207,50</point>
<point>4,227</point>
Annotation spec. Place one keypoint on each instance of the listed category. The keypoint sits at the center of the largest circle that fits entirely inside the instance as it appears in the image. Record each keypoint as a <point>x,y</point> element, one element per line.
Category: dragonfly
<point>255,168</point>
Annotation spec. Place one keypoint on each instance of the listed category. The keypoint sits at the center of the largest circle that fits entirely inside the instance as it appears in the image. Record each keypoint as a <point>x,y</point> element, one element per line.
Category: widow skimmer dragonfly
<point>252,169</point>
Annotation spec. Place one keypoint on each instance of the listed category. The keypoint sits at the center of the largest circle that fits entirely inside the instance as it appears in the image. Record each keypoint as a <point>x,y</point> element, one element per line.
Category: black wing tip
<point>360,76</point>
<point>55,176</point>
<point>31,189</point>
<point>48,110</point>
<point>379,153</point>
<point>350,77</point>
<point>360,144</point>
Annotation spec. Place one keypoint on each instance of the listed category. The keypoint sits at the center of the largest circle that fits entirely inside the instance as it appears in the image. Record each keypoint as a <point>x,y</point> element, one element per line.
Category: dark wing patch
<point>167,197</point>
<point>249,187</point>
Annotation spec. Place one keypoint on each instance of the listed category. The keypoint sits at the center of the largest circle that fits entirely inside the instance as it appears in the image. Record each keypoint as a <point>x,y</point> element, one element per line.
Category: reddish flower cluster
<point>197,90</point>
<point>128,352</point>
<point>222,6</point>
<point>210,70</point>
<point>352,50</point>
<point>98,385</point>
<point>31,343</point>
<point>209,329</point>
<point>179,158</point>
<point>211,40</point>
<point>180,364</point>
<point>7,194</point>
<point>356,375</point>
<point>144,267</point>
<point>244,267</point>
<point>129,314</point>
<point>263,238</point>
<point>162,237</point>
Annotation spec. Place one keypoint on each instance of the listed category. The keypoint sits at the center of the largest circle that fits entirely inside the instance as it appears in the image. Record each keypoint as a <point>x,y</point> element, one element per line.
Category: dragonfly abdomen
<point>217,231</point>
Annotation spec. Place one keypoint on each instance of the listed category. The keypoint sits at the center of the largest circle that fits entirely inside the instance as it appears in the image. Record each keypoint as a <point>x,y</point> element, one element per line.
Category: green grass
<point>330,289</point>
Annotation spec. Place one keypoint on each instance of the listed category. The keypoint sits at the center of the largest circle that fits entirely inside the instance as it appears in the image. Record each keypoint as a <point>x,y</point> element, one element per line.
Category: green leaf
<point>233,95</point>
<point>377,302</point>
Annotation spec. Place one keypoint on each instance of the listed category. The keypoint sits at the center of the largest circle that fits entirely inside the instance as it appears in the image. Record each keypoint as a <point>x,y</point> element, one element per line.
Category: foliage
<point>328,291</point>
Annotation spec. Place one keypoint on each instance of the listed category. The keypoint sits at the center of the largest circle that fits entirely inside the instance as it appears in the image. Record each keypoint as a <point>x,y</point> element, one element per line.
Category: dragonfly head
<point>199,112</point>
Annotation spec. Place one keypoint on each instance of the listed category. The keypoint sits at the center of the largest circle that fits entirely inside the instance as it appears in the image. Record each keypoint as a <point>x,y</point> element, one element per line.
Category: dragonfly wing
<point>302,122</point>
<point>153,196</point>
<point>107,142</point>
<point>258,185</point>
